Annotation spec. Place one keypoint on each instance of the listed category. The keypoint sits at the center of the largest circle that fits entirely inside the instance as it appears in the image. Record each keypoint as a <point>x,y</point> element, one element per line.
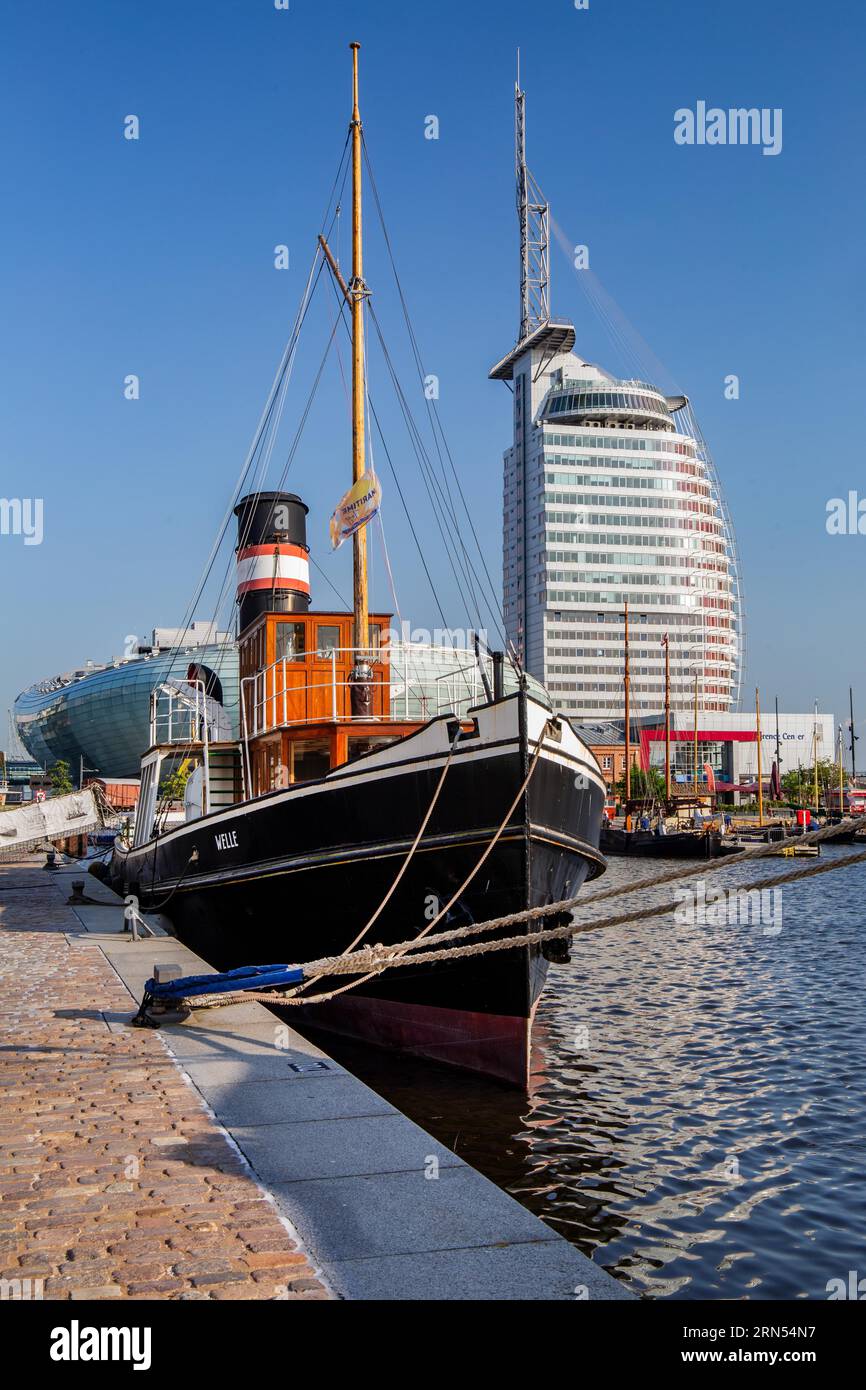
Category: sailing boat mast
<point>760,769</point>
<point>815,741</point>
<point>667,718</point>
<point>358,293</point>
<point>627,682</point>
<point>696,735</point>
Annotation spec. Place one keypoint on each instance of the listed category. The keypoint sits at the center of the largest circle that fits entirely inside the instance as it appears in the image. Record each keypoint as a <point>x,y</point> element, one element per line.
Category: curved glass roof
<point>634,402</point>
<point>104,716</point>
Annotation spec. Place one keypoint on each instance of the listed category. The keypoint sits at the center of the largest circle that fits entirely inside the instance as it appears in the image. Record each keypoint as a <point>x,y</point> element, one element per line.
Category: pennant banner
<point>360,505</point>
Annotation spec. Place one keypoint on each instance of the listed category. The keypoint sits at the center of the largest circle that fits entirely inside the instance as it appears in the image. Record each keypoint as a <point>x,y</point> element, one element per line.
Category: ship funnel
<point>273,564</point>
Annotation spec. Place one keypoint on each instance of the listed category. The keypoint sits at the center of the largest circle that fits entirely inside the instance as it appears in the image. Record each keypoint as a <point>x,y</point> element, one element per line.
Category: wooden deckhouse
<point>296,693</point>
<point>315,687</point>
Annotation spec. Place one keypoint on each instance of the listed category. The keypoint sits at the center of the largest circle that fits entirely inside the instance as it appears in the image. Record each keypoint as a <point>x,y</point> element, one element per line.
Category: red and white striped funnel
<point>273,567</point>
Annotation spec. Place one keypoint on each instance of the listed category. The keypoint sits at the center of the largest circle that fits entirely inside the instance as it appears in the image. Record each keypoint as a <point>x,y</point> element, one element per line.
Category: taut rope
<point>372,960</point>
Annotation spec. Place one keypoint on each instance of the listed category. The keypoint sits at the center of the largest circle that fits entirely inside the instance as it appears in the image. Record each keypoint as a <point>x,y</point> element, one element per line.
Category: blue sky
<point>155,257</point>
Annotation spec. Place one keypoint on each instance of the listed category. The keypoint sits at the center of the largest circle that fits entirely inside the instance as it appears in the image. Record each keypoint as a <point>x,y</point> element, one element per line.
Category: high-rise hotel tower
<point>610,498</point>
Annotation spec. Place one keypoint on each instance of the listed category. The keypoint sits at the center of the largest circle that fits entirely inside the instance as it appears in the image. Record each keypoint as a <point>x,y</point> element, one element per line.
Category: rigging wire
<point>346,603</point>
<point>435,423</point>
<point>274,422</point>
<point>431,485</point>
<point>265,430</point>
<point>409,654</point>
<point>342,307</point>
<point>284,368</point>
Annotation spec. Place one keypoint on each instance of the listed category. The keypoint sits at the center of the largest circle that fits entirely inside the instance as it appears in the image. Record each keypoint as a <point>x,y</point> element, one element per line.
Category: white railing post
<point>243,732</point>
<point>285,716</point>
<point>206,741</point>
<point>334,684</point>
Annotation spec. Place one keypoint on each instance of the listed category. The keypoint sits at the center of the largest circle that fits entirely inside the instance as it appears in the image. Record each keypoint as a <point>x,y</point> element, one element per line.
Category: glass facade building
<point>102,714</point>
<point>610,496</point>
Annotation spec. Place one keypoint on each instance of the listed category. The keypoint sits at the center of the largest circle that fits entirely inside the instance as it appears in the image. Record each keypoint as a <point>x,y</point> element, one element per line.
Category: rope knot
<point>379,956</point>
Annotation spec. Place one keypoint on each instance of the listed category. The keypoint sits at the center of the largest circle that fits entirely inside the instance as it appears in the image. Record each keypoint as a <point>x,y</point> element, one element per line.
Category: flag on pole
<point>358,506</point>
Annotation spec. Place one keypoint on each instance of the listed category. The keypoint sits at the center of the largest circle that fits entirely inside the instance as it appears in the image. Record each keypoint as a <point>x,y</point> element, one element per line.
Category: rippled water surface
<point>697,1123</point>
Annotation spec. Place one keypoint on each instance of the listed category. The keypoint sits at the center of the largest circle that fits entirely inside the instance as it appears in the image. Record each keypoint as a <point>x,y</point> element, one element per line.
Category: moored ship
<point>368,796</point>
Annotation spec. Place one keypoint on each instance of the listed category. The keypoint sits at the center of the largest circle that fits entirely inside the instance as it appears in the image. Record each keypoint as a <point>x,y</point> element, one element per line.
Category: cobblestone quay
<point>115,1181</point>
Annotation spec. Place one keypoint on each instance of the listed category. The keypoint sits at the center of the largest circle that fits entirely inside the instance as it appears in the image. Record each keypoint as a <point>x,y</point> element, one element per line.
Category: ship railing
<point>411,687</point>
<point>179,714</point>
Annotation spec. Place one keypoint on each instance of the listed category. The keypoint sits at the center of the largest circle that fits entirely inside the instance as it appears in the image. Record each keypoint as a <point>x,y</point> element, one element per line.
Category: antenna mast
<point>533,214</point>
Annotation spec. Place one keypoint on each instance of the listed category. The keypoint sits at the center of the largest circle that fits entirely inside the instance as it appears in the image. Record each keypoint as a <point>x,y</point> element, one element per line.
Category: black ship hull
<point>645,844</point>
<point>294,875</point>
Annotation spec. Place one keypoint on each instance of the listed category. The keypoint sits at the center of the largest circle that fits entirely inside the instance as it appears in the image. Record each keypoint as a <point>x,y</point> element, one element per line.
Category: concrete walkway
<point>384,1210</point>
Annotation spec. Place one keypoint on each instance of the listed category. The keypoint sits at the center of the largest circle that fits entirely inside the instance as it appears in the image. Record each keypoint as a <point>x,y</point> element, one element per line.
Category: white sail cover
<point>26,827</point>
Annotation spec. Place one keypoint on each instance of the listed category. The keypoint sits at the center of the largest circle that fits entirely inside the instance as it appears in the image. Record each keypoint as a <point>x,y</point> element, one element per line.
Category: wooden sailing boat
<point>653,842</point>
<point>360,798</point>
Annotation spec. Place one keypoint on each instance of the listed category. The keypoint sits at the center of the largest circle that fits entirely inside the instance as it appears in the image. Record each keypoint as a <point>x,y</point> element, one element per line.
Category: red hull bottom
<point>496,1045</point>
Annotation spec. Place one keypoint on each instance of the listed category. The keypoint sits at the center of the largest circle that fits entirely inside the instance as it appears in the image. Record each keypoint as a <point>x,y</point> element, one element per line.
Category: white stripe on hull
<point>428,749</point>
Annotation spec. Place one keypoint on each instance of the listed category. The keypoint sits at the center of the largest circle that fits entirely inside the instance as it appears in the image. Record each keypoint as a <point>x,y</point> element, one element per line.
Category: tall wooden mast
<point>358,292</point>
<point>760,768</point>
<point>667,718</point>
<point>696,735</point>
<point>815,736</point>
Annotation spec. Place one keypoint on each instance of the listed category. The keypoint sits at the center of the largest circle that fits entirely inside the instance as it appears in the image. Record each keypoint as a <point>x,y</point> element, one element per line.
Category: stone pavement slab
<point>294,1099</point>
<point>338,1148</point>
<point>406,1213</point>
<point>542,1270</point>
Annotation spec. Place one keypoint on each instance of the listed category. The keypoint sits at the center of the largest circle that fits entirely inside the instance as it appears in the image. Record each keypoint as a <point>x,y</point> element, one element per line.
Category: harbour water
<point>697,1123</point>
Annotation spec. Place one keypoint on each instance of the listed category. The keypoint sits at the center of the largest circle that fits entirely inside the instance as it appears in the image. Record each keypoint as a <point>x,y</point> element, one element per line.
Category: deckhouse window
<point>290,644</point>
<point>327,638</point>
<point>310,760</point>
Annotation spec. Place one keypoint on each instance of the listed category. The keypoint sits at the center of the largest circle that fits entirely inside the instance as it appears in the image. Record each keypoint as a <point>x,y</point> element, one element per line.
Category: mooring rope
<point>408,859</point>
<point>372,960</point>
<point>772,847</point>
<point>209,1001</point>
<point>375,969</point>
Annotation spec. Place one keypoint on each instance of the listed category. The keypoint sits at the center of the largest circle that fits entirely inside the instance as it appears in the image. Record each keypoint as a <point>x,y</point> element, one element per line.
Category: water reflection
<point>697,1118</point>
